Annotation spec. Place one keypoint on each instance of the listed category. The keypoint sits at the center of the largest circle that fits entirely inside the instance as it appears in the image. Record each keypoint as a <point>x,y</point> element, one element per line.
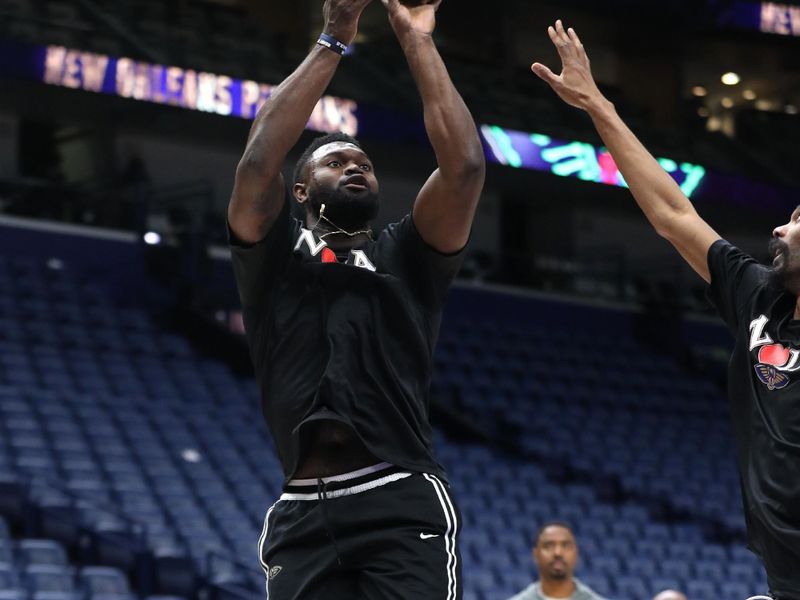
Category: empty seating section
<point>38,569</point>
<point>109,418</point>
<point>605,409</point>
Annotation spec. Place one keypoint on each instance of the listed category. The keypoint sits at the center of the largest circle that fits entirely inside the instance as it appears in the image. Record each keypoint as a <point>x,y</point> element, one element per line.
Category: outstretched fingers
<point>577,43</point>
<point>544,73</point>
<point>562,34</point>
<point>564,41</point>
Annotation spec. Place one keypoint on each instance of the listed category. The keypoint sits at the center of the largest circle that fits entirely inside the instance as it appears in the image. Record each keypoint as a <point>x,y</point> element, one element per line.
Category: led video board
<point>573,159</point>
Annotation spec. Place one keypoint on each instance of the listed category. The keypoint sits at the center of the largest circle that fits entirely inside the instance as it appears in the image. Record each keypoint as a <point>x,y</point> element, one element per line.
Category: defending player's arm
<point>259,189</point>
<point>445,206</point>
<point>660,198</point>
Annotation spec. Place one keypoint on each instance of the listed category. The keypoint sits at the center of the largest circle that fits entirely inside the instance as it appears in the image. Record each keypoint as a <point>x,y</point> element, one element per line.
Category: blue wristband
<point>331,43</point>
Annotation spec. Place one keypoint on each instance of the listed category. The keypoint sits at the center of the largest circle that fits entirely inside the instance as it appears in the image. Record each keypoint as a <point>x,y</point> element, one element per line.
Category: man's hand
<point>408,20</point>
<point>575,85</point>
<point>657,194</point>
<point>341,18</point>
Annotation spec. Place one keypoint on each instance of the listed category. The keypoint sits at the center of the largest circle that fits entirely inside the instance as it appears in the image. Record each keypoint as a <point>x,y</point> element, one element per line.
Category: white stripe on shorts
<point>449,536</point>
<point>364,487</point>
<point>344,476</point>
<point>262,539</point>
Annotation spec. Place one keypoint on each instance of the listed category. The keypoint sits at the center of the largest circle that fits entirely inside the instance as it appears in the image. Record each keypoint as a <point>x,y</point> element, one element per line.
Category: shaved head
<point>670,595</point>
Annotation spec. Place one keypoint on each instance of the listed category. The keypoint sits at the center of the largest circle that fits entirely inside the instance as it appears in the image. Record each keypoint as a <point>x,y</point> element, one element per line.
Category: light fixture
<point>703,112</point>
<point>763,104</point>
<point>151,238</point>
<point>731,78</point>
<point>191,455</point>
<point>56,264</point>
<point>699,91</point>
<point>727,102</point>
<point>790,109</point>
<point>749,95</point>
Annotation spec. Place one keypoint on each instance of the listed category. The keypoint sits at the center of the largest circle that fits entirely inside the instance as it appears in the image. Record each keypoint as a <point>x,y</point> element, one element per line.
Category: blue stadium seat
<point>41,552</point>
<point>702,590</point>
<point>103,581</point>
<point>736,589</point>
<point>6,554</point>
<point>48,578</point>
<point>599,583</point>
<point>8,576</point>
<point>56,596</point>
<point>675,568</point>
<point>632,587</point>
<point>737,572</point>
<point>641,567</point>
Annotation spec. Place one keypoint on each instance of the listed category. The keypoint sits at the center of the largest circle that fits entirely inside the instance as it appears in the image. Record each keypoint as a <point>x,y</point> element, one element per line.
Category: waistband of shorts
<point>346,484</point>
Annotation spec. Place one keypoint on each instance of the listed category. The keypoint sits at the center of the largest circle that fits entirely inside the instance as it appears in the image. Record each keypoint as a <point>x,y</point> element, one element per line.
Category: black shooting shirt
<point>347,338</point>
<point>764,392</point>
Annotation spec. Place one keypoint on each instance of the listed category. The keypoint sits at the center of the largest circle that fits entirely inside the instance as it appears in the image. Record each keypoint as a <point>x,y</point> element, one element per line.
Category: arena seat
<point>41,552</point>
<point>48,578</point>
<point>103,581</point>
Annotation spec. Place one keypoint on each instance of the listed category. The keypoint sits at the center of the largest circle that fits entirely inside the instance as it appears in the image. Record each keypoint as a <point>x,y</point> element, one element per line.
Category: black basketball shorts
<point>379,533</point>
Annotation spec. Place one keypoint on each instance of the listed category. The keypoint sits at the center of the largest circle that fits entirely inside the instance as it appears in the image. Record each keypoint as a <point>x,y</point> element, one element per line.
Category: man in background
<point>555,556</point>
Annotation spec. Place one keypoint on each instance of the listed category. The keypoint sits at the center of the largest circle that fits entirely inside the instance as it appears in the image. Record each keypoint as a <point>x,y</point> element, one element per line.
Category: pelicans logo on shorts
<point>774,361</point>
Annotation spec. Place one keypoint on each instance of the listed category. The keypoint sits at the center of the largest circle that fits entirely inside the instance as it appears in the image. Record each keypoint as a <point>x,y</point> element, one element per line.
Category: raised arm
<point>445,206</point>
<point>259,189</point>
<point>657,194</point>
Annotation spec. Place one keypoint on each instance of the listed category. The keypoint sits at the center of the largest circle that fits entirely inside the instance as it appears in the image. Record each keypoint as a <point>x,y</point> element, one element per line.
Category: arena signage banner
<point>780,19</point>
<point>766,17</point>
<point>175,86</point>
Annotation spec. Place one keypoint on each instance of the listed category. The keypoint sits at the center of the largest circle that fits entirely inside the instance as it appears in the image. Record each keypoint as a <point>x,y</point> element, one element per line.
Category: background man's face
<point>556,553</point>
<point>784,247</point>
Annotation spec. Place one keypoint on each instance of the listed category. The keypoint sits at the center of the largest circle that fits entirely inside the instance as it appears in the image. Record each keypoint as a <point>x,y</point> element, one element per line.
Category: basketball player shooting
<point>760,304</point>
<point>342,323</point>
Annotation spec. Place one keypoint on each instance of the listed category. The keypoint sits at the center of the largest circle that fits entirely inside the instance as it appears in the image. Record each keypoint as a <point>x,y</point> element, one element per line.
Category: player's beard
<point>785,275</point>
<point>344,209</point>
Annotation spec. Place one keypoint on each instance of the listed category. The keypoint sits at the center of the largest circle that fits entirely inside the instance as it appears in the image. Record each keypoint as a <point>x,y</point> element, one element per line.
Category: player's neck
<point>797,308</point>
<point>558,588</point>
<point>339,238</point>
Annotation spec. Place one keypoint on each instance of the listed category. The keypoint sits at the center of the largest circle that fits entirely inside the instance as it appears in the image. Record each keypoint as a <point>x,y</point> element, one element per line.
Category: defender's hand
<point>407,20</point>
<point>341,18</point>
<point>575,85</point>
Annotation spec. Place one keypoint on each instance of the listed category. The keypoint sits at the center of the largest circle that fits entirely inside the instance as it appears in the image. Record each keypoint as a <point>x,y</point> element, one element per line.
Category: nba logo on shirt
<point>315,247</point>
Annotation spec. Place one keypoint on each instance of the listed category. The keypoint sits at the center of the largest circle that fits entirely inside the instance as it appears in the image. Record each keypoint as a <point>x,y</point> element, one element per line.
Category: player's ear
<point>300,192</point>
